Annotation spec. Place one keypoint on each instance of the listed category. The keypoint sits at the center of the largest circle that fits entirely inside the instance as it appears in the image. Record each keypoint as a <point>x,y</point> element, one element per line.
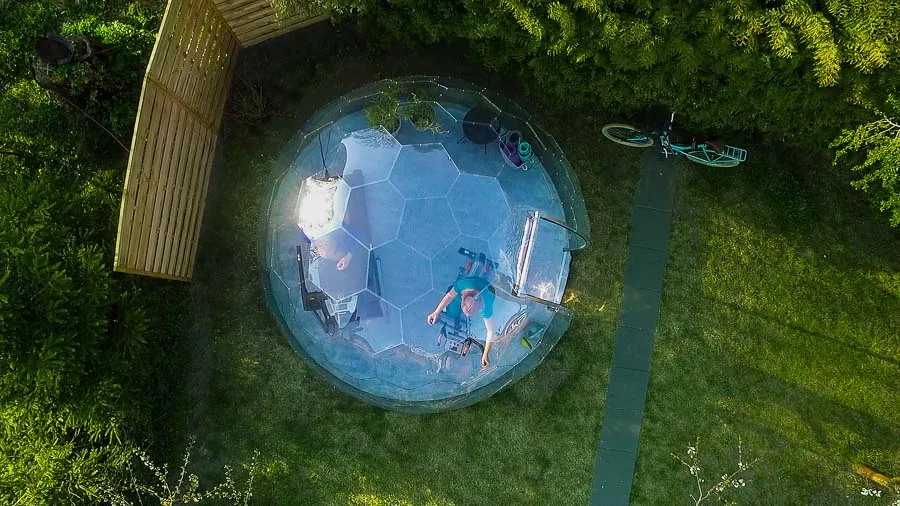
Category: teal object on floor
<point>524,151</point>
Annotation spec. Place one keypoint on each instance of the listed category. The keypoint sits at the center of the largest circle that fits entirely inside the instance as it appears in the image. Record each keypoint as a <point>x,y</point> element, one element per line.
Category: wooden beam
<point>169,216</point>
<point>130,270</point>
<point>161,87</point>
<point>187,159</point>
<point>139,146</point>
<point>255,37</point>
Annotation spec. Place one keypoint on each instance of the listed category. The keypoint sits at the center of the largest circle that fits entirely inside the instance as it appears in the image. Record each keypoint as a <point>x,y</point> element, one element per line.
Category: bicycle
<point>712,152</point>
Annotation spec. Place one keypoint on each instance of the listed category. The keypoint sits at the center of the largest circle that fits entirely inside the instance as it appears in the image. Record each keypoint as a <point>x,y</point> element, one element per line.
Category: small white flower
<point>872,492</point>
<point>694,470</point>
<point>724,476</point>
<point>691,451</point>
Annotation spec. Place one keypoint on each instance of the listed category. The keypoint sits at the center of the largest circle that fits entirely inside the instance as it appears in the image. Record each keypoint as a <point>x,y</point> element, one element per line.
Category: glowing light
<point>320,205</point>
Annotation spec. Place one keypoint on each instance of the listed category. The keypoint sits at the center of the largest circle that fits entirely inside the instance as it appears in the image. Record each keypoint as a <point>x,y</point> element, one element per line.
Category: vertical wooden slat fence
<point>179,116</point>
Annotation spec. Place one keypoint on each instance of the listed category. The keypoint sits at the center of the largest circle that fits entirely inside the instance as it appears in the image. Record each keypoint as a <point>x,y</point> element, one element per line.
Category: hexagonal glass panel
<point>428,225</point>
<point>419,260</point>
<point>479,205</point>
<point>371,154</point>
<point>374,212</point>
<point>338,264</point>
<point>402,273</point>
<point>424,171</point>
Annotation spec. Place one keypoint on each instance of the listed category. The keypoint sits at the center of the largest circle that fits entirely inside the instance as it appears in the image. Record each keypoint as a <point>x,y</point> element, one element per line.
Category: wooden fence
<point>177,127</point>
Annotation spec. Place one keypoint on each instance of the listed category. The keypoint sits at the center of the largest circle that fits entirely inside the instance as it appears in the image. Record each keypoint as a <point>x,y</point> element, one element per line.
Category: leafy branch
<point>727,480</point>
<point>879,142</point>
<point>186,489</point>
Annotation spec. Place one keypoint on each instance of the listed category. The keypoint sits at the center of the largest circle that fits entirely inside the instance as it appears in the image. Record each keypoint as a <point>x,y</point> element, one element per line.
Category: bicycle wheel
<point>627,135</point>
<point>698,156</point>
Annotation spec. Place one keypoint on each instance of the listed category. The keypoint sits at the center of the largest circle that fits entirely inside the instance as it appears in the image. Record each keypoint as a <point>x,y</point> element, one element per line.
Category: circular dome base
<point>393,259</point>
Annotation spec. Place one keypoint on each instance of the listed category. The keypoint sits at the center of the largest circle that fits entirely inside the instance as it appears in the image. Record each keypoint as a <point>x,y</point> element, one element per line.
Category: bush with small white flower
<point>186,490</point>
<point>871,492</point>
<point>726,482</point>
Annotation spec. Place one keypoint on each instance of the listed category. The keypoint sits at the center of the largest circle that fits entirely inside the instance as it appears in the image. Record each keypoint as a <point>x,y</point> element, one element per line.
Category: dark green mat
<point>630,374</point>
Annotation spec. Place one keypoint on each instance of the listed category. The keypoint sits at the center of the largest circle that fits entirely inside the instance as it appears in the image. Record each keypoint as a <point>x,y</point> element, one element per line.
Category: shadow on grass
<point>778,324</point>
<point>841,345</point>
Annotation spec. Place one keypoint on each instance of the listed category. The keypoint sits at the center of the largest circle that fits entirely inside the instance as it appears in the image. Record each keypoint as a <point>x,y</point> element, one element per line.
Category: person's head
<point>471,302</point>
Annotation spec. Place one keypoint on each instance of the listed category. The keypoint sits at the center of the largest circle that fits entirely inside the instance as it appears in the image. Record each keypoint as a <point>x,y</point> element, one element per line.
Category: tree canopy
<point>794,70</point>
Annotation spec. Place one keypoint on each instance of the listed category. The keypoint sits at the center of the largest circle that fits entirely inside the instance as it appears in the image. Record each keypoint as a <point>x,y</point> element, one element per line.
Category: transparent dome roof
<point>413,224</point>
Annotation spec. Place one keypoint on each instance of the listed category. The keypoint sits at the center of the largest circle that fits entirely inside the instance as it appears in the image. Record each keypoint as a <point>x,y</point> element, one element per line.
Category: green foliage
<point>421,113</point>
<point>731,65</point>
<point>107,86</point>
<point>288,8</point>
<point>71,333</point>
<point>795,71</point>
<point>879,143</point>
<point>45,456</point>
<point>385,110</point>
<point>154,481</point>
<point>62,362</point>
<point>110,84</point>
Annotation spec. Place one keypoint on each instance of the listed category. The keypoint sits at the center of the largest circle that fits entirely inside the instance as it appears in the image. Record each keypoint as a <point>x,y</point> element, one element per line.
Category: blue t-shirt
<point>482,287</point>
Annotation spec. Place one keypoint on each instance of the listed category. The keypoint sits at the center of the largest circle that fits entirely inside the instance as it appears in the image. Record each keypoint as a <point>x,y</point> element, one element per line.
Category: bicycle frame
<point>699,153</point>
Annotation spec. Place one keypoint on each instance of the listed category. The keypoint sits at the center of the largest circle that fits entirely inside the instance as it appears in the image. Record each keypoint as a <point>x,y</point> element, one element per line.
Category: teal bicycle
<point>712,152</point>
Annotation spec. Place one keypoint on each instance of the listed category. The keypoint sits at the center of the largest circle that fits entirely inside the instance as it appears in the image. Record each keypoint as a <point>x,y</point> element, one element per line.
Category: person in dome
<point>468,296</point>
<point>333,247</point>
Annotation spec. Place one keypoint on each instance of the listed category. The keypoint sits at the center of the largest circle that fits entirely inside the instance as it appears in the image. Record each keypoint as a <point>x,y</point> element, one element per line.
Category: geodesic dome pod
<point>390,257</point>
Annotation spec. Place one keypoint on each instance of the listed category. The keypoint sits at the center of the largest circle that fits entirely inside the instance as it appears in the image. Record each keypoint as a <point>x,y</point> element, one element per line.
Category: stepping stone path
<point>630,374</point>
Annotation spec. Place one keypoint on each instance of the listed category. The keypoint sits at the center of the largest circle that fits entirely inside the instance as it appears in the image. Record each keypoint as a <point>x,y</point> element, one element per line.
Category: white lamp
<point>321,204</point>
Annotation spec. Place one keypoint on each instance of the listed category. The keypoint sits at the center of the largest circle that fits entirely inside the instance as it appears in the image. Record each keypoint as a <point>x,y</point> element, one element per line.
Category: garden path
<point>630,373</point>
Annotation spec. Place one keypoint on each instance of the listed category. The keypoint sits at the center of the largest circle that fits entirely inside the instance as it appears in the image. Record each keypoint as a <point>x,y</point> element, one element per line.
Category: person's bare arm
<point>488,341</point>
<point>445,301</point>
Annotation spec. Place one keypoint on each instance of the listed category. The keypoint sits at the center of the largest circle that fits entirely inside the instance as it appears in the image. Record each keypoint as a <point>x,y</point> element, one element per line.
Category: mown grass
<point>535,442</point>
<point>779,325</point>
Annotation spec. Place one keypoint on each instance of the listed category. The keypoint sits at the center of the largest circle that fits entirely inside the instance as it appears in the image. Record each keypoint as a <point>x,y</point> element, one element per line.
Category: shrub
<point>71,332</point>
<point>421,114</point>
<point>876,148</point>
<point>61,363</point>
<point>385,110</point>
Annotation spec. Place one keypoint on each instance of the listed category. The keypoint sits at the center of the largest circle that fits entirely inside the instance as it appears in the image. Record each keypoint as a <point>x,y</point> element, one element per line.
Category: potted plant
<point>421,114</point>
<point>385,111</point>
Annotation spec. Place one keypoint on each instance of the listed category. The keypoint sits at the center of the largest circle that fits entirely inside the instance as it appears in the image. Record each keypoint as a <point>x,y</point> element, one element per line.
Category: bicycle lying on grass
<point>712,152</point>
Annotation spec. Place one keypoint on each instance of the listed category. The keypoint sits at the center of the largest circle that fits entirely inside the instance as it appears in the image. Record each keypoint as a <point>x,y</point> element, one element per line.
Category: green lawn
<point>534,442</point>
<point>779,325</point>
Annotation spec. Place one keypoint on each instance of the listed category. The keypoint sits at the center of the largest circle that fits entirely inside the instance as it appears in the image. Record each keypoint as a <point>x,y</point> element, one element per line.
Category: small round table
<point>478,126</point>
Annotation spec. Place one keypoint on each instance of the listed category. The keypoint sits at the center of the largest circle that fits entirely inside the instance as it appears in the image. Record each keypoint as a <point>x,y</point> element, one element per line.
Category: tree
<point>729,65</point>
<point>877,144</point>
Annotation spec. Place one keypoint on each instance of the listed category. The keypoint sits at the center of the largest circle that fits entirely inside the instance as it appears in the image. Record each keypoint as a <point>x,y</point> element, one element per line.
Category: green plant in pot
<point>421,114</point>
<point>385,111</point>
